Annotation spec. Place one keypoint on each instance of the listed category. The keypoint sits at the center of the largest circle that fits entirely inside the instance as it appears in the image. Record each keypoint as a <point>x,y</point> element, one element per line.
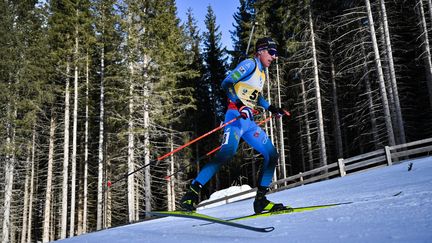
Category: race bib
<point>247,94</point>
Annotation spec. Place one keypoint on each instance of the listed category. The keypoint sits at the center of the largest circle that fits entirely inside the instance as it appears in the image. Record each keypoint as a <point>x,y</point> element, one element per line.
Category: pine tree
<point>23,79</point>
<point>172,94</point>
<point>193,41</point>
<point>6,69</point>
<point>215,65</point>
<point>215,69</point>
<point>241,36</point>
<point>110,100</point>
<point>61,33</point>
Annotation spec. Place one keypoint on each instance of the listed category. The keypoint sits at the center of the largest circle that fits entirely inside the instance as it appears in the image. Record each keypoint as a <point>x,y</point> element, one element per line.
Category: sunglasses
<point>272,52</point>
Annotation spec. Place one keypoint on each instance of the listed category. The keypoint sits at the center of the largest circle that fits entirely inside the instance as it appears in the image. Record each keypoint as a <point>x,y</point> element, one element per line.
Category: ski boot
<point>189,201</point>
<point>261,204</point>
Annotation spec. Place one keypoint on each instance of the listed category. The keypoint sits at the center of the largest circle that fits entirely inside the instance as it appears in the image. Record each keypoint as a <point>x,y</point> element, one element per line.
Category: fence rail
<point>386,156</point>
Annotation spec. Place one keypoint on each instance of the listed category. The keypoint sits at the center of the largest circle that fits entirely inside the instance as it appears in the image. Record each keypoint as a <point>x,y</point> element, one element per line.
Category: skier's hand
<point>278,112</point>
<point>245,112</point>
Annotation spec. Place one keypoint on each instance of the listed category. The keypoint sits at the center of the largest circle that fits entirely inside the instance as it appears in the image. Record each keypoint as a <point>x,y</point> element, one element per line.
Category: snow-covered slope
<point>391,204</point>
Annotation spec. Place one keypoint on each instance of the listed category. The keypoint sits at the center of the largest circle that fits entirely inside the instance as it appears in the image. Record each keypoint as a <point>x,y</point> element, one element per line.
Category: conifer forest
<point>95,93</point>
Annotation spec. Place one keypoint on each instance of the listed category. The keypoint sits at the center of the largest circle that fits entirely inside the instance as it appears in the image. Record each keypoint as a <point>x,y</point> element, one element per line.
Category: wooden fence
<point>387,156</point>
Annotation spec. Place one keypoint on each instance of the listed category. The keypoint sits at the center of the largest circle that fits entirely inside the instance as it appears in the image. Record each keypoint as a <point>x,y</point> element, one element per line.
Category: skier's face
<point>267,57</point>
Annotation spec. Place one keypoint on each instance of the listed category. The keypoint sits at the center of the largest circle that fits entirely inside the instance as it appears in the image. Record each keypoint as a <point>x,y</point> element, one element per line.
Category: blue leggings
<point>254,136</point>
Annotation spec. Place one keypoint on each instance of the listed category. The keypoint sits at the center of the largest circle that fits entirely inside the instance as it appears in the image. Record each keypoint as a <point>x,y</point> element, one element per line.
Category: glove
<point>245,112</point>
<point>277,111</point>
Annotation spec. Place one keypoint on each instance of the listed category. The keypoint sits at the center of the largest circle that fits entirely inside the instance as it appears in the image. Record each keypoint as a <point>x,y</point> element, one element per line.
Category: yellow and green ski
<point>288,210</point>
<point>229,222</point>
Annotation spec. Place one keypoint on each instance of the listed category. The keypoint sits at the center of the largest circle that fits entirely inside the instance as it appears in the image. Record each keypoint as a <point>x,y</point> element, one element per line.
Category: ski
<point>288,210</point>
<point>194,215</point>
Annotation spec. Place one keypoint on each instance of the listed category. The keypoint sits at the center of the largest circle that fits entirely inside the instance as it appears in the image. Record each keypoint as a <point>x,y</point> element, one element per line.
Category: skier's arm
<point>275,110</point>
<point>263,102</point>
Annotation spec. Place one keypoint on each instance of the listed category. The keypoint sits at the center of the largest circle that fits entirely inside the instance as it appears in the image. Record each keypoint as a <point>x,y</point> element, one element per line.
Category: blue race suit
<point>244,84</point>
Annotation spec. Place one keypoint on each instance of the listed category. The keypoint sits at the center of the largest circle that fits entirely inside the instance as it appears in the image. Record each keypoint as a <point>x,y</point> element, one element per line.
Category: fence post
<point>341,167</point>
<point>388,155</point>
<point>301,177</point>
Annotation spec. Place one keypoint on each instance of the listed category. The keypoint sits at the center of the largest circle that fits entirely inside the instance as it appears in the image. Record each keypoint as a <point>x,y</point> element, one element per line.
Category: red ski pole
<point>109,183</point>
<point>217,148</point>
<point>198,138</point>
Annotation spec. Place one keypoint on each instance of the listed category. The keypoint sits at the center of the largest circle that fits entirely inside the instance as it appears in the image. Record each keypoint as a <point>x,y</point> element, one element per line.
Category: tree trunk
<point>74,143</point>
<point>168,186</point>
<point>383,92</point>
<point>171,180</point>
<point>146,127</point>
<point>31,192</point>
<point>9,176</point>
<point>49,188</point>
<point>107,219</point>
<point>13,229</point>
<point>387,78</point>
<point>336,118</point>
<point>394,86</point>
<point>86,153</point>
<point>430,9</point>
<point>281,129</point>
<point>131,150</point>
<point>272,138</point>
<point>306,122</point>
<point>426,49</point>
<point>320,117</point>
<point>52,227</point>
<point>100,190</point>
<point>25,216</point>
<point>131,40</point>
<point>197,151</point>
<point>369,95</point>
<point>8,168</point>
<point>147,175</point>
<point>64,205</point>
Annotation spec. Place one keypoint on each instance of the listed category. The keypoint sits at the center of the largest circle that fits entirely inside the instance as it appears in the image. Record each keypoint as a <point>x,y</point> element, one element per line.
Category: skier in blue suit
<point>243,87</point>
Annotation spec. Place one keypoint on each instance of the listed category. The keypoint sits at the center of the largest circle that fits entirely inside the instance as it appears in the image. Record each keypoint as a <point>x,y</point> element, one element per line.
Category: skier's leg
<point>259,140</point>
<point>228,149</point>
<point>231,138</point>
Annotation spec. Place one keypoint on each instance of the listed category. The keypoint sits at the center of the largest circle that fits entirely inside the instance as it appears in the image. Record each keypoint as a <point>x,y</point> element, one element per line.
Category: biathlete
<point>243,87</point>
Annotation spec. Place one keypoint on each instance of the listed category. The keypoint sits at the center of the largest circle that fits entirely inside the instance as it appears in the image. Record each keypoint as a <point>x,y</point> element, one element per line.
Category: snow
<point>390,204</point>
<point>228,192</point>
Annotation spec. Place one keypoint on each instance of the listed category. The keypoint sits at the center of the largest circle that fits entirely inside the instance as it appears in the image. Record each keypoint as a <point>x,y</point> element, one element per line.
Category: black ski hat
<point>265,43</point>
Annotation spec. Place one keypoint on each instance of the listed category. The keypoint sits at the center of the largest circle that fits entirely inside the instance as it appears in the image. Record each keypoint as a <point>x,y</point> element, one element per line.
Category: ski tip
<point>268,229</point>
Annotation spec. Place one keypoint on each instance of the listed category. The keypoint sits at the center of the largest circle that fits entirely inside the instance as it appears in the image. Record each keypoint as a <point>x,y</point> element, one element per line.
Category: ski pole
<point>216,149</point>
<point>198,138</point>
<point>109,183</point>
<point>196,161</point>
<point>286,112</point>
